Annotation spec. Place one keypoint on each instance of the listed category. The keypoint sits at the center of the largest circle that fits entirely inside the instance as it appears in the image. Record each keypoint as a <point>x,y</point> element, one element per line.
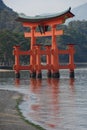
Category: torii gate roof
<point>40,18</point>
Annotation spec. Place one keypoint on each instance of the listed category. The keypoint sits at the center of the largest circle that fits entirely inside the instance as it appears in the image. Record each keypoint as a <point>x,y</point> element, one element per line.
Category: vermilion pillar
<point>55,56</point>
<point>71,60</point>
<point>48,60</point>
<point>17,61</point>
<point>38,62</point>
<point>33,56</point>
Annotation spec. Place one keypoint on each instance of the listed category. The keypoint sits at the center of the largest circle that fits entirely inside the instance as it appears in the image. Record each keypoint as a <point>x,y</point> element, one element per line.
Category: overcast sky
<point>36,7</point>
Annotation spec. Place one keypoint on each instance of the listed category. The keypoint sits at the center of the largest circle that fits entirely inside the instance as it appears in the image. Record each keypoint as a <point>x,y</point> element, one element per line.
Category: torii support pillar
<point>71,60</point>
<point>17,61</point>
<point>48,59</point>
<point>33,56</point>
<point>55,56</point>
<point>38,62</point>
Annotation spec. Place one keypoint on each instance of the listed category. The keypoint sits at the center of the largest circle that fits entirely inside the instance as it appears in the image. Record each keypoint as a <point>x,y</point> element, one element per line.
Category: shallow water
<point>54,104</point>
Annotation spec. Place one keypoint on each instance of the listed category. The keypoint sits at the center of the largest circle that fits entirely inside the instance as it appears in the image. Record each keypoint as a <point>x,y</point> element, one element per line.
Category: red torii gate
<point>52,52</point>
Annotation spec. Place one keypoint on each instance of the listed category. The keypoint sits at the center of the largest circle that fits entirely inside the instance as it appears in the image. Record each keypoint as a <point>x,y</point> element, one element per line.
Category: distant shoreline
<point>78,65</point>
<point>81,65</point>
<point>6,67</point>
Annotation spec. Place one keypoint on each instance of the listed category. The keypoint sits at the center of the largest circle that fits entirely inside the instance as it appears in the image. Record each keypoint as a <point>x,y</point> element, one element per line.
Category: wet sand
<point>9,116</point>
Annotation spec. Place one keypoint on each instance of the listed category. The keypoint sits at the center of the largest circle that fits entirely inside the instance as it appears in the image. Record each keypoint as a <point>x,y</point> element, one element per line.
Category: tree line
<point>75,32</point>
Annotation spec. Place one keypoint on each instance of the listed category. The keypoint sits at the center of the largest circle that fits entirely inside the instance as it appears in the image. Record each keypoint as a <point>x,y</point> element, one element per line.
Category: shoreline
<point>10,115</point>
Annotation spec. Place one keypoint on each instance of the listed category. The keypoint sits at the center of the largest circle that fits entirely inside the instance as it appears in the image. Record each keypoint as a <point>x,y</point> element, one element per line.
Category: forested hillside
<point>11,33</point>
<point>76,32</point>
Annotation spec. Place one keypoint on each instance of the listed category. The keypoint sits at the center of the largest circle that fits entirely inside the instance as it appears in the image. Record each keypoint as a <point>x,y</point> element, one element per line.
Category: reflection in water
<point>49,103</point>
<point>17,82</point>
<point>45,107</point>
<point>72,84</point>
<point>54,104</point>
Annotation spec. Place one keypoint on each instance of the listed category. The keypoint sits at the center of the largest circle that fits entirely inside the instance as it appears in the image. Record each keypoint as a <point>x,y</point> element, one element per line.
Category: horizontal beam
<point>27,34</point>
<point>38,34</point>
<point>49,22</point>
<point>51,67</point>
<point>29,67</point>
<point>25,52</point>
<point>29,24</point>
<point>48,67</point>
<point>44,52</point>
<point>44,67</point>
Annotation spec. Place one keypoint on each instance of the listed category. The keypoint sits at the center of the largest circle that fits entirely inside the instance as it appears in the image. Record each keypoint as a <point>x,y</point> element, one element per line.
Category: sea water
<point>54,104</point>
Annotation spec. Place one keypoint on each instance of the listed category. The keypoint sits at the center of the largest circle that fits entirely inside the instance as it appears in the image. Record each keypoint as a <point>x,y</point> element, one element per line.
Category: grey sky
<point>35,7</point>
